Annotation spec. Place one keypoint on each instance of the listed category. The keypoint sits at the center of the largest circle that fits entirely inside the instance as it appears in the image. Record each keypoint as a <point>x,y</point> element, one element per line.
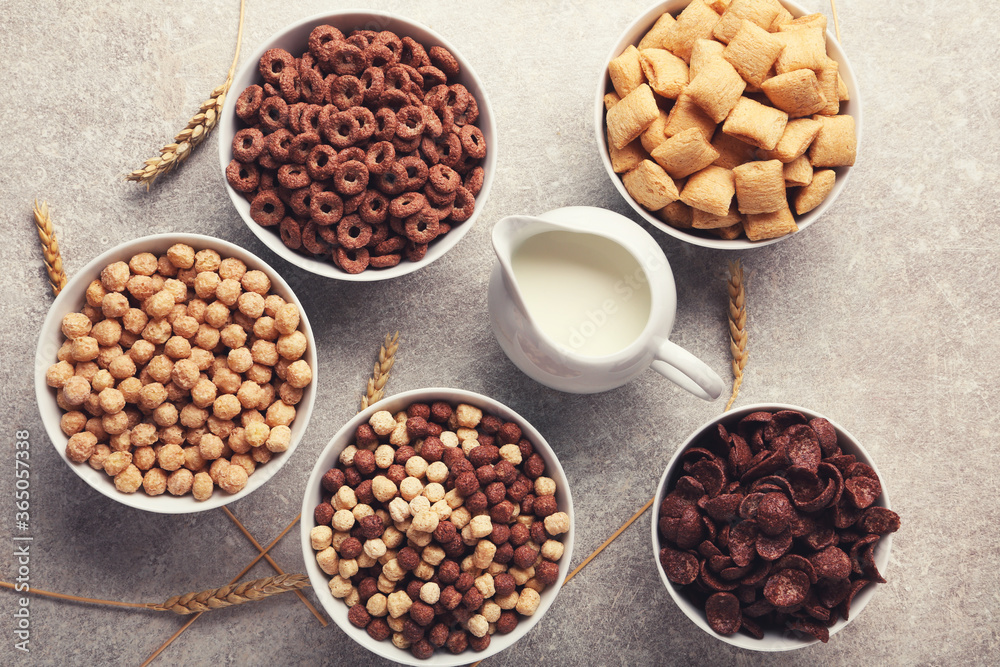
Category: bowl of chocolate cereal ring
<point>358,145</point>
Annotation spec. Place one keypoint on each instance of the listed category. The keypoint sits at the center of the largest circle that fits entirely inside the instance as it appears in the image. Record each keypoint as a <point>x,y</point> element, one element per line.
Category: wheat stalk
<point>737,326</point>
<point>197,128</point>
<point>836,21</point>
<point>380,374</point>
<point>50,247</point>
<point>228,596</point>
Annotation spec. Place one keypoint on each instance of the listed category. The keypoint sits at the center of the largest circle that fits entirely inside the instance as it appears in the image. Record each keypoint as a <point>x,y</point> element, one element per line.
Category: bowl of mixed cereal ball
<point>439,529</point>
<point>728,124</point>
<point>358,145</point>
<point>175,373</point>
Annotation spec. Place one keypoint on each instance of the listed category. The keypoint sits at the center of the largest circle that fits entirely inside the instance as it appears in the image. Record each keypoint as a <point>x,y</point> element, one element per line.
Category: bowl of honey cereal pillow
<point>176,373</point>
<point>772,528</point>
<point>740,124</point>
<point>358,145</point>
<point>437,527</point>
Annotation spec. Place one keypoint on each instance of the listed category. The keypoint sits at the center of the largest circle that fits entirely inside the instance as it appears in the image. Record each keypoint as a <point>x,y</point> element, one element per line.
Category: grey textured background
<point>882,316</point>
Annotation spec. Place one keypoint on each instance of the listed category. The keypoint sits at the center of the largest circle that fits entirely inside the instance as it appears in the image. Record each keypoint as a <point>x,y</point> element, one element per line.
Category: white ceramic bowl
<point>294,38</point>
<point>773,640</point>
<point>72,299</point>
<point>632,35</point>
<point>337,610</point>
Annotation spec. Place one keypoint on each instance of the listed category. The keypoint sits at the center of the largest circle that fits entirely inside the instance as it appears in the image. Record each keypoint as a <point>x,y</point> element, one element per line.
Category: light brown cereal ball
<point>292,346</point>
<point>185,374</point>
<point>141,287</point>
<point>249,394</point>
<point>75,390</point>
<point>160,304</point>
<point>203,393</point>
<point>133,415</point>
<point>202,357</point>
<point>196,308</point>
<point>100,455</point>
<point>234,479</point>
<point>226,406</point>
<point>107,332</point>
<point>178,310</point>
<point>281,367</point>
<point>238,441</point>
<point>160,368</point>
<point>279,414</point>
<point>233,336</point>
<point>85,348</point>
<point>256,281</point>
<point>102,380</point>
<point>116,462</point>
<point>144,435</point>
<point>246,323</point>
<point>185,326</point>
<point>65,351</point>
<point>112,401</point>
<point>202,486</point>
<point>72,422</point>
<point>181,256</point>
<point>166,414</point>
<point>114,276</point>
<point>279,438</point>
<point>193,416</point>
<point>180,482</point>
<point>251,304</point>
<point>228,291</point>
<point>179,290</point>
<point>271,304</point>
<point>106,355</point>
<point>264,329</point>
<point>210,447</point>
<point>240,360</point>
<point>95,293</point>
<point>187,276</point>
<point>154,482</point>
<point>114,304</point>
<point>232,268</point>
<point>115,424</point>
<point>261,454</point>
<point>81,446</point>
<point>94,426</point>
<point>127,340</point>
<point>205,283</point>
<point>152,395</point>
<point>128,480</point>
<point>244,461</point>
<point>59,373</point>
<point>286,319</point>
<point>171,457</point>
<point>134,320</point>
<point>217,315</point>
<point>207,337</point>
<point>288,394</point>
<point>220,427</point>
<point>207,260</point>
<point>157,332</point>
<point>557,523</point>
<point>264,352</point>
<point>256,433</point>
<point>193,459</point>
<point>164,267</point>
<point>91,313</point>
<point>266,397</point>
<point>86,370</point>
<point>130,387</point>
<point>217,467</point>
<point>299,374</point>
<point>141,351</point>
<point>143,264</point>
<point>177,348</point>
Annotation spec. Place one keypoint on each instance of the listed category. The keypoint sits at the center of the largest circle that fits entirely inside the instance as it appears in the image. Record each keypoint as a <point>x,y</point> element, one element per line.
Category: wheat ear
<point>50,247</point>
<point>233,594</point>
<point>197,128</point>
<point>380,374</point>
<point>737,326</point>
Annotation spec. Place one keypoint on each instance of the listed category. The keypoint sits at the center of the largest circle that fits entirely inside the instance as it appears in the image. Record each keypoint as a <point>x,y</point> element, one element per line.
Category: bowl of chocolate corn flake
<point>772,527</point>
<point>358,145</point>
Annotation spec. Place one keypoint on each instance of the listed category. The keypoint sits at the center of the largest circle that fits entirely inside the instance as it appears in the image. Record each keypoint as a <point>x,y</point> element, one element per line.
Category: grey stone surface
<point>882,316</point>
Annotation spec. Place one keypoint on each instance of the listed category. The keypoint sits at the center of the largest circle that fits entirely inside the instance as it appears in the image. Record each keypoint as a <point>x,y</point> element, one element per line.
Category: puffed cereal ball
<point>193,416</point>
<point>112,401</point>
<point>58,374</point>
<point>217,315</point>
<point>159,304</point>
<point>171,457</point>
<point>557,523</point>
<point>232,268</point>
<point>210,447</point>
<point>181,255</point>
<point>185,374</point>
<point>115,276</point>
<point>205,284</point>
<point>203,393</point>
<point>177,347</point>
<point>228,291</point>
<point>157,331</point>
<point>279,414</point>
<point>240,360</point>
<point>72,422</point>
<point>135,321</point>
<point>152,395</point>
<point>292,346</point>
<point>102,380</point>
<point>76,325</point>
<point>144,458</point>
<point>264,352</point>
<point>76,390</point>
<point>279,438</point>
<point>95,294</point>
<point>226,380</point>
<point>528,602</point>
<point>233,336</point>
<point>81,446</point>
<point>85,348</point>
<point>286,318</point>
<point>244,461</point>
<point>256,433</point>
<point>128,480</point>
<point>143,264</point>
<point>251,304</point>
<point>180,482</point>
<point>107,332</point>
<point>114,304</point>
<point>202,486</point>
<point>154,482</point>
<point>117,462</point>
<point>226,406</point>
<point>207,260</point>
<point>233,479</point>
<point>256,281</point>
<point>141,287</point>
<point>166,414</point>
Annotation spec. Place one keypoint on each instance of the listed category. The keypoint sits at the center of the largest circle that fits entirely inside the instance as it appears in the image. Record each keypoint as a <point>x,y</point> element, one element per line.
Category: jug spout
<point>507,235</point>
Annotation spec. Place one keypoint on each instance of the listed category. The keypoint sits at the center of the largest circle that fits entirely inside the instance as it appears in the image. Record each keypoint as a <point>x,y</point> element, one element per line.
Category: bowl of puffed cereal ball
<point>175,373</point>
<point>437,527</point>
<point>358,145</point>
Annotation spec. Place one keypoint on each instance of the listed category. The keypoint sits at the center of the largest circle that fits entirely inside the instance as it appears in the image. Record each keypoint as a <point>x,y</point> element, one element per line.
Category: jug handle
<point>687,371</point>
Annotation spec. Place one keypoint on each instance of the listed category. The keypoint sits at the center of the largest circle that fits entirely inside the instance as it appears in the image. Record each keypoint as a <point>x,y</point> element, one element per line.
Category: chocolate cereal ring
<point>413,53</point>
<point>300,200</point>
<point>361,38</point>
<point>353,233</point>
<point>293,176</point>
<point>394,99</point>
<point>273,63</point>
<point>380,157</point>
<point>473,142</point>
<point>309,120</point>
<point>396,78</point>
<point>273,113</point>
<point>436,198</point>
<point>442,213</point>
<point>380,232</point>
<point>391,41</point>
<point>321,162</point>
<point>288,84</point>
<point>465,203</point>
<point>355,153</point>
<point>266,161</point>
<point>433,76</point>
<point>311,240</point>
<point>271,91</point>
<point>295,116</point>
<point>350,178</point>
<point>247,144</point>
<point>458,98</point>
<point>398,226</point>
<point>433,127</point>
<point>443,60</point>
<point>406,146</point>
<point>473,181</point>
<point>379,55</point>
<point>391,245</point>
<point>352,203</point>
<point>385,124</point>
<point>329,235</point>
<point>443,178</point>
<point>342,129</point>
<point>242,177</point>
<point>385,261</point>
<point>450,149</point>
<point>266,209</point>
<point>346,92</point>
<point>291,233</point>
<point>352,261</point>
<point>313,87</point>
<point>322,35</point>
<point>373,84</point>
<point>248,104</point>
<point>470,115</point>
<point>278,145</point>
<point>416,171</point>
<point>407,204</point>
<point>429,151</point>
<point>415,251</point>
<point>326,208</point>
<point>346,58</point>
<point>366,121</point>
<point>410,122</point>
<point>374,207</point>
<point>392,182</point>
<point>422,227</point>
<point>301,145</point>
